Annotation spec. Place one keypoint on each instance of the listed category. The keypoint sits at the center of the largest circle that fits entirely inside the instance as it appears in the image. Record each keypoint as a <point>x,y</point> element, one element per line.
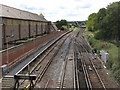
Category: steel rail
<point>98,74</point>
<point>41,52</point>
<point>39,55</point>
<point>75,64</point>
<point>85,71</point>
<point>103,85</point>
<point>41,74</point>
<point>87,79</point>
<point>64,68</point>
<point>45,56</point>
<point>51,59</point>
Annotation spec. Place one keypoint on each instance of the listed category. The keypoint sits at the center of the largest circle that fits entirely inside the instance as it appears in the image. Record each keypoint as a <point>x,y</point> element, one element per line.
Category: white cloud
<point>53,10</point>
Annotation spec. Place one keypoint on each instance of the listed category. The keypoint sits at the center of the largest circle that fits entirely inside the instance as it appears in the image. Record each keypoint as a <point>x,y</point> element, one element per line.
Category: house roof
<point>10,12</point>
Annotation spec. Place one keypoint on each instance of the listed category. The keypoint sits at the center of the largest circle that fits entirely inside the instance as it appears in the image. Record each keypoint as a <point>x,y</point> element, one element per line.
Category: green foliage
<point>98,34</point>
<point>91,22</point>
<point>74,29</point>
<point>61,24</point>
<point>113,63</point>
<point>106,22</point>
<point>117,75</point>
<point>64,27</point>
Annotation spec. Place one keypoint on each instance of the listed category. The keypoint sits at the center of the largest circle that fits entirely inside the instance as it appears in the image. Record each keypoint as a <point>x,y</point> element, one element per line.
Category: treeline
<point>65,25</point>
<point>106,23</point>
<point>62,24</point>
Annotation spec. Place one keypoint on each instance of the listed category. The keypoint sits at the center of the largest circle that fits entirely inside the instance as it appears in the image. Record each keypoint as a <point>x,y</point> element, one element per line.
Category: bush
<point>64,28</point>
<point>115,67</point>
<point>117,75</point>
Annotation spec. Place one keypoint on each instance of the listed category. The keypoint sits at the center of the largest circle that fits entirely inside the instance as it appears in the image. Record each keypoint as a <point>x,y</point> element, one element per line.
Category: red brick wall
<point>24,50</point>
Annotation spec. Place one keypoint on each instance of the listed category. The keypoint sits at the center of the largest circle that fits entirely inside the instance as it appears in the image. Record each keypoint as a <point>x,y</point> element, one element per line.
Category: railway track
<point>43,63</point>
<point>91,75</point>
<point>77,71</point>
<point>33,64</point>
<point>83,72</point>
<point>48,61</point>
<point>69,75</point>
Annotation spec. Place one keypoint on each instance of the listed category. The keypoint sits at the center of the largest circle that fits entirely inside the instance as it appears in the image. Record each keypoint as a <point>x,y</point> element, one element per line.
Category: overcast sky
<point>53,10</point>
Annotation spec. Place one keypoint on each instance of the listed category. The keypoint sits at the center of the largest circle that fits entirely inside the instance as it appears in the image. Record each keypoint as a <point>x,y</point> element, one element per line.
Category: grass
<point>111,48</point>
<point>23,41</point>
<point>74,29</point>
<point>29,39</point>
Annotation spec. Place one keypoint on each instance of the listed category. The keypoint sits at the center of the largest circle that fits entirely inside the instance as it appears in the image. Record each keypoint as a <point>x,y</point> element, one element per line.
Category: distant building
<point>83,26</point>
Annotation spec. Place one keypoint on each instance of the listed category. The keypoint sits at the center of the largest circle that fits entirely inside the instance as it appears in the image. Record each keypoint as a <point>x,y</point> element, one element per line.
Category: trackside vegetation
<point>102,32</point>
<point>74,28</point>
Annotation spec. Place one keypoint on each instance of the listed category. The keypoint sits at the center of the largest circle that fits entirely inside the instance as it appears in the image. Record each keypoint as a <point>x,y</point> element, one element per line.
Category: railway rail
<point>92,77</point>
<point>69,74</point>
<point>26,69</point>
<point>83,70</point>
<point>77,71</point>
<point>70,77</point>
<point>43,62</point>
<point>54,50</point>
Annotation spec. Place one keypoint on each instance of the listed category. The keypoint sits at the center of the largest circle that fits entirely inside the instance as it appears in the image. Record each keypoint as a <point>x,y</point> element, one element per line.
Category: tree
<point>91,22</point>
<point>106,22</point>
<point>61,24</point>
